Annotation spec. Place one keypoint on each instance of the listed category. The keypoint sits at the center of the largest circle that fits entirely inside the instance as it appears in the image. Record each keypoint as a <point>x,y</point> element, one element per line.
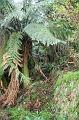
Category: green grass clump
<point>67,77</point>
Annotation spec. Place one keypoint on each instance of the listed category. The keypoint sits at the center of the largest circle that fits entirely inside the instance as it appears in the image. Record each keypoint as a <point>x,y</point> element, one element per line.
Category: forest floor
<point>54,99</point>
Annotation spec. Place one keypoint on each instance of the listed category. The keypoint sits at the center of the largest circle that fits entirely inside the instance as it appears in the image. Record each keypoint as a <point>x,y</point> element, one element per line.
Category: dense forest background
<point>39,60</point>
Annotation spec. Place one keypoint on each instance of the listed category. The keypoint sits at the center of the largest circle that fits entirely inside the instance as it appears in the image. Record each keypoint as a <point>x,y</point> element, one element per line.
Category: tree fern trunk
<point>10,95</point>
<point>26,52</point>
<point>25,60</point>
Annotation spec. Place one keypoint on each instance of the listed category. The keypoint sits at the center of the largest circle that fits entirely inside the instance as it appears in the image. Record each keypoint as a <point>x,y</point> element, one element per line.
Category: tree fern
<point>31,12</point>
<point>35,30</point>
<point>12,58</point>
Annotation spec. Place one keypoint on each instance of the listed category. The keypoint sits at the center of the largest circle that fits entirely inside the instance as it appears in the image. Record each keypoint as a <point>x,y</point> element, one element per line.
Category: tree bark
<point>10,95</point>
<point>26,53</point>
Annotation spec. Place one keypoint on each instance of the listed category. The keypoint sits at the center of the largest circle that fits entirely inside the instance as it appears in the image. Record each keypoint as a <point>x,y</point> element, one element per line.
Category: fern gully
<point>18,47</point>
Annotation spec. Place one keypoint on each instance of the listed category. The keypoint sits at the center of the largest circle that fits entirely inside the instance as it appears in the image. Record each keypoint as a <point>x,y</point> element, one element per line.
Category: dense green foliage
<point>39,45</point>
<point>20,113</point>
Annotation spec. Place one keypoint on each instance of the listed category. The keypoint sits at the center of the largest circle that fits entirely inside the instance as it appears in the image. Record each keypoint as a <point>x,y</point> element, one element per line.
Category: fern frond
<point>15,14</point>
<point>5,6</point>
<point>24,78</point>
<point>1,68</point>
<point>37,3</point>
<point>41,33</point>
<point>12,57</point>
<point>2,46</point>
<point>35,10</point>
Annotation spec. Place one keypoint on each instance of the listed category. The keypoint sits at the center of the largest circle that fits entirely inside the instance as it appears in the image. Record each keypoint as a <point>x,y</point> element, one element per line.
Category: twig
<point>41,72</point>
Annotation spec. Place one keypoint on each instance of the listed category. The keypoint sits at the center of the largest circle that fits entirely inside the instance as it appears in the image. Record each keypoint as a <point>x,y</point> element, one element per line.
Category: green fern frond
<point>2,46</point>
<point>5,7</point>
<point>38,3</point>
<point>15,14</point>
<point>12,57</point>
<point>41,33</point>
<point>1,68</point>
<point>24,78</point>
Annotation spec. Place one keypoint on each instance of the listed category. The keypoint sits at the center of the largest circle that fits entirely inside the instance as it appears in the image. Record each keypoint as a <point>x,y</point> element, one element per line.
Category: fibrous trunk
<point>26,53</point>
<point>10,95</point>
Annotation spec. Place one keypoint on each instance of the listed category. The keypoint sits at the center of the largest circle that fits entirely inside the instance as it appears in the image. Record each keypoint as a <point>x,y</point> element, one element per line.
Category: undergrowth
<point>67,77</point>
<point>62,105</point>
<point>66,96</point>
<point>19,113</point>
